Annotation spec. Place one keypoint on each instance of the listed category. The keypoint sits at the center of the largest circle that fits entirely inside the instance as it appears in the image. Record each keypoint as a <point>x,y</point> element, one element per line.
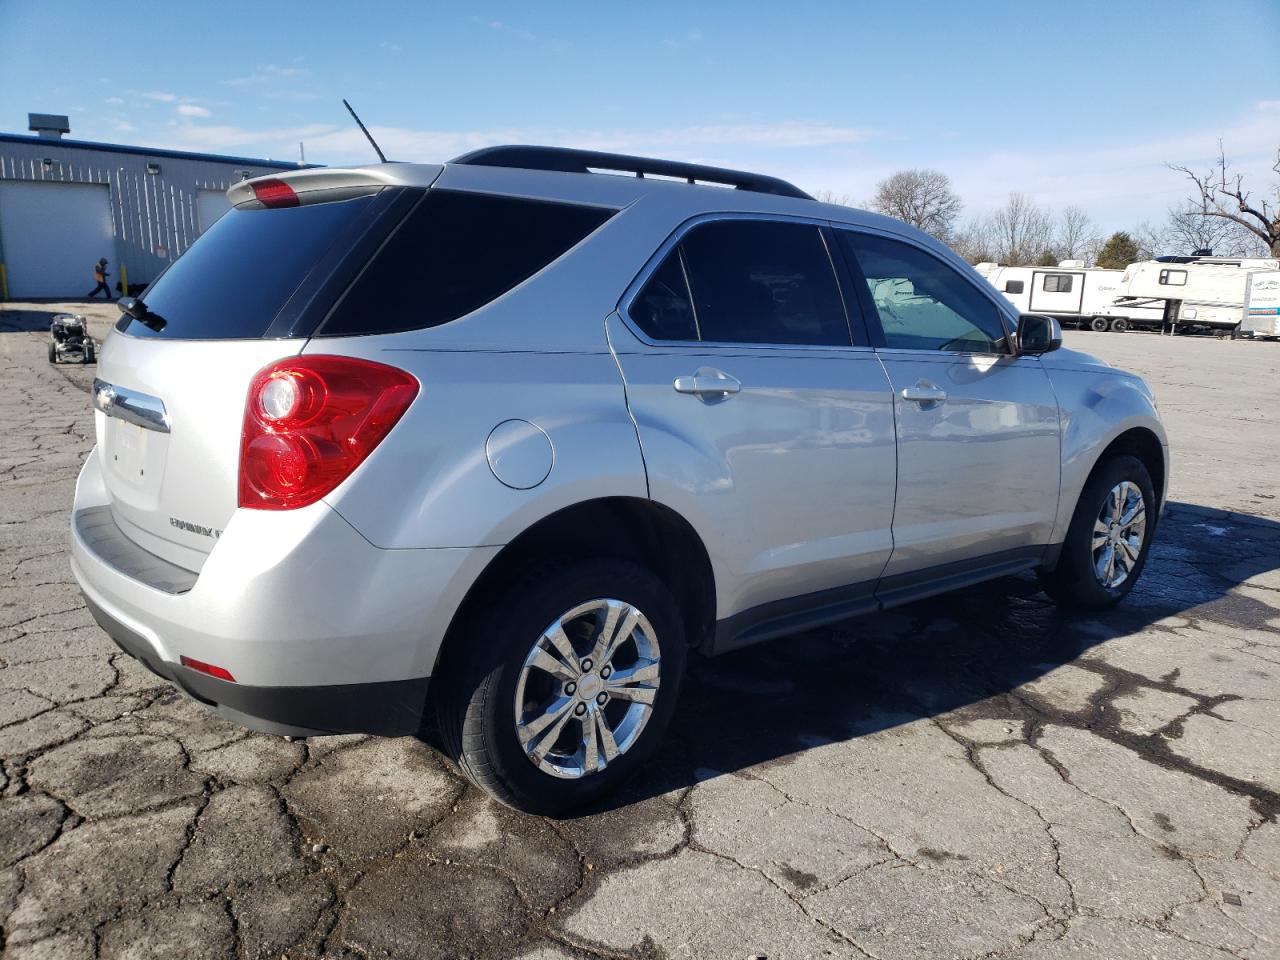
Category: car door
<point>760,421</point>
<point>977,425</point>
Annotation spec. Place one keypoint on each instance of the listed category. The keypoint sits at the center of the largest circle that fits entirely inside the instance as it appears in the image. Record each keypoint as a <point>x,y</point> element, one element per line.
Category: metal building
<point>66,203</point>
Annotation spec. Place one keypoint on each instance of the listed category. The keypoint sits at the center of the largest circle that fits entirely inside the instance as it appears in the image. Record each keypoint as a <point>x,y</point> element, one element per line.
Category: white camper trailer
<point>1194,292</point>
<point>1262,305</point>
<point>1070,292</point>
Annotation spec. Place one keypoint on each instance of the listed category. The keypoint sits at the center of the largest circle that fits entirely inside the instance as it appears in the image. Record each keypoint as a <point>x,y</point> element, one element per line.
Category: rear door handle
<point>708,383</point>
<point>924,392</point>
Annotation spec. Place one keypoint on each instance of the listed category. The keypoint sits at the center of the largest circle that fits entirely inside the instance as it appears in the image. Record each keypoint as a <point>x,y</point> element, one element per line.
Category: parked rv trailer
<point>1196,292</point>
<point>1070,292</point>
<point>1262,305</point>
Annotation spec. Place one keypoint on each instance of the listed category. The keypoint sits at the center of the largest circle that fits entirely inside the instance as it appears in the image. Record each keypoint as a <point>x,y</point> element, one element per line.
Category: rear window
<point>233,281</point>
<point>455,253</point>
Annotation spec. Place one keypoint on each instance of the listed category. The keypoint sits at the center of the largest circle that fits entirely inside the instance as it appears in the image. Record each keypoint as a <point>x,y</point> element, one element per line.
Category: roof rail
<point>568,160</point>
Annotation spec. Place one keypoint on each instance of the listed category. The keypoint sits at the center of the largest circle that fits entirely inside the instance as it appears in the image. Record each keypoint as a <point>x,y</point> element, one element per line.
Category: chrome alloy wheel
<point>587,687</point>
<point>1118,534</point>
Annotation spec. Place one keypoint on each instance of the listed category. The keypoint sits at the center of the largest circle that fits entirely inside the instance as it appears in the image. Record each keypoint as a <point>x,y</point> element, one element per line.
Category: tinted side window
<point>233,281</point>
<point>663,309</point>
<point>764,282</point>
<point>924,304</point>
<point>1057,283</point>
<point>1013,286</point>
<point>453,254</point>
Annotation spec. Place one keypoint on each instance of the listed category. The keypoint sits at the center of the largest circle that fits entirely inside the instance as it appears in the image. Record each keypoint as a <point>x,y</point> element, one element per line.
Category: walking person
<point>100,274</point>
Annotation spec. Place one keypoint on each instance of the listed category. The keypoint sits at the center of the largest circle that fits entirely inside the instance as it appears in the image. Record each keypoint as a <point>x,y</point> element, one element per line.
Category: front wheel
<point>53,353</point>
<point>1109,538</point>
<point>563,687</point>
<point>1099,324</point>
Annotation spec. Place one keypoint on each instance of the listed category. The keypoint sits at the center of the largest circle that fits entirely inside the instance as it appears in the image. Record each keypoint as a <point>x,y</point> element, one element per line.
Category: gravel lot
<point>972,776</point>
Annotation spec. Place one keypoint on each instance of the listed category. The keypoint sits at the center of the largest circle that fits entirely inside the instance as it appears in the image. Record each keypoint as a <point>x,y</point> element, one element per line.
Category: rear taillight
<point>274,193</point>
<point>310,421</point>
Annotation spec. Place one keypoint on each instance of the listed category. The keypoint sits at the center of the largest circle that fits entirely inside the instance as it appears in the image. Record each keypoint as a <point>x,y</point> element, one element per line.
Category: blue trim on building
<point>148,152</point>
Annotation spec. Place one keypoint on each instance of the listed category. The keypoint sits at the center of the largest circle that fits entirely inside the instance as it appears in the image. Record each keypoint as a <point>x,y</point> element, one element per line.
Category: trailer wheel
<point>1119,325</point>
<point>1099,324</point>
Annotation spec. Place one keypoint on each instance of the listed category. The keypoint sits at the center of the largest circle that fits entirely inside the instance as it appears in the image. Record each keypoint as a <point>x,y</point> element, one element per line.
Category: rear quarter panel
<point>430,484</point>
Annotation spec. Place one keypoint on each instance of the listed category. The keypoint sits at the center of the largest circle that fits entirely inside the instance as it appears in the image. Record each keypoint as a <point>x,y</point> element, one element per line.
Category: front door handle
<point>708,383</point>
<point>924,392</point>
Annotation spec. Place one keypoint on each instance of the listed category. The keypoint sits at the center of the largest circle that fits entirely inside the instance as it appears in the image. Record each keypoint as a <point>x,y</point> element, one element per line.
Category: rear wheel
<point>556,694</point>
<point>1099,324</point>
<point>1109,538</point>
<point>1119,325</point>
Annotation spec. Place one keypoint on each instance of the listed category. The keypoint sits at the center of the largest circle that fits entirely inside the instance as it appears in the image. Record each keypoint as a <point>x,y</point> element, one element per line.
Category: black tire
<point>476,691</point>
<point>53,353</point>
<point>1119,325</point>
<point>88,355</point>
<point>1099,324</point>
<point>1073,583</point>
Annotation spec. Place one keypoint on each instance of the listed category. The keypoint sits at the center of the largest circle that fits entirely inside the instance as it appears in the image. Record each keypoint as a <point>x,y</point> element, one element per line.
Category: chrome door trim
<point>131,406</point>
<point>656,260</point>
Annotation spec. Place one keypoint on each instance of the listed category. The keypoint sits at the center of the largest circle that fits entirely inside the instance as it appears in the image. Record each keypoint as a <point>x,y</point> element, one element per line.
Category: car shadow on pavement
<point>971,650</point>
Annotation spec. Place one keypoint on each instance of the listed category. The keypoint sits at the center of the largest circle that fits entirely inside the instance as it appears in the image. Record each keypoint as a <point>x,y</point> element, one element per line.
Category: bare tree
<point>1152,239</point>
<point>830,196</point>
<point>1221,193</point>
<point>1075,238</point>
<point>1188,230</point>
<point>1022,231</point>
<point>923,198</point>
<point>975,241</point>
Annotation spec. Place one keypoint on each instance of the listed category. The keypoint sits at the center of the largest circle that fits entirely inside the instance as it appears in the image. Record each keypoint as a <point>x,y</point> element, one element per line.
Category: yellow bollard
<point>4,283</point>
<point>124,280</point>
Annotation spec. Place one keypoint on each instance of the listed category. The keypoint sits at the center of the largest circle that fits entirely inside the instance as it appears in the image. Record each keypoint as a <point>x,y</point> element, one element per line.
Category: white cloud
<point>343,144</point>
<point>276,83</point>
<point>675,43</point>
<point>115,101</point>
<point>1120,182</point>
<point>192,110</point>
<point>267,74</point>
<point>327,143</point>
<point>160,96</point>
<point>388,45</point>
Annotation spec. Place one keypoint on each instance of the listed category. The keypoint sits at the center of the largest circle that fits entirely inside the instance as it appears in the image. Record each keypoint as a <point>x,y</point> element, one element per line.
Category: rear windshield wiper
<point>138,311</point>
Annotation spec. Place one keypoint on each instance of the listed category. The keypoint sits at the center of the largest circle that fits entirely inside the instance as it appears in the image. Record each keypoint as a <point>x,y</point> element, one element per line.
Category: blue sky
<point>1072,103</point>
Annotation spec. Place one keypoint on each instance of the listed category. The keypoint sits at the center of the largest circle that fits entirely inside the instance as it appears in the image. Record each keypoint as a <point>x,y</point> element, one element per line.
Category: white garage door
<point>210,205</point>
<point>51,234</point>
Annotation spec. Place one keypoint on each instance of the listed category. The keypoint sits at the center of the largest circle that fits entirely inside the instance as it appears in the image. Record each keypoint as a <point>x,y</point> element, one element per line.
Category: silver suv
<point>531,426</point>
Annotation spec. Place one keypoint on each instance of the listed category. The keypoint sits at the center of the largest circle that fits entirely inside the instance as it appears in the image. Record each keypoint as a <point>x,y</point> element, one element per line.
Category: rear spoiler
<point>323,185</point>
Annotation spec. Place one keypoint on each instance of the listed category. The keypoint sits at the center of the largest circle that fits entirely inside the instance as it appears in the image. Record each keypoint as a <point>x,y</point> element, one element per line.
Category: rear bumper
<point>389,708</point>
<point>323,631</point>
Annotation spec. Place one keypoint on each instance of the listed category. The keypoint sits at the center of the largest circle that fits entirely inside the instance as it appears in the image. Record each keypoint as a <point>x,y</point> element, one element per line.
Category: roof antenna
<point>365,130</point>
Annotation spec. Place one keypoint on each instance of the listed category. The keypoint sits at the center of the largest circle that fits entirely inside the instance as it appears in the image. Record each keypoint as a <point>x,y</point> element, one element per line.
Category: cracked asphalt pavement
<point>972,776</point>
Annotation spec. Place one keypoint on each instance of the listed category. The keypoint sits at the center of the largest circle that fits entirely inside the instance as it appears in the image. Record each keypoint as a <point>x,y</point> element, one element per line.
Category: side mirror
<point>1038,334</point>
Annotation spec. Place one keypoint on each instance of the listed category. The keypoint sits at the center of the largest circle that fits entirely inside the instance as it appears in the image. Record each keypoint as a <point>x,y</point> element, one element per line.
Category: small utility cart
<point>69,339</point>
